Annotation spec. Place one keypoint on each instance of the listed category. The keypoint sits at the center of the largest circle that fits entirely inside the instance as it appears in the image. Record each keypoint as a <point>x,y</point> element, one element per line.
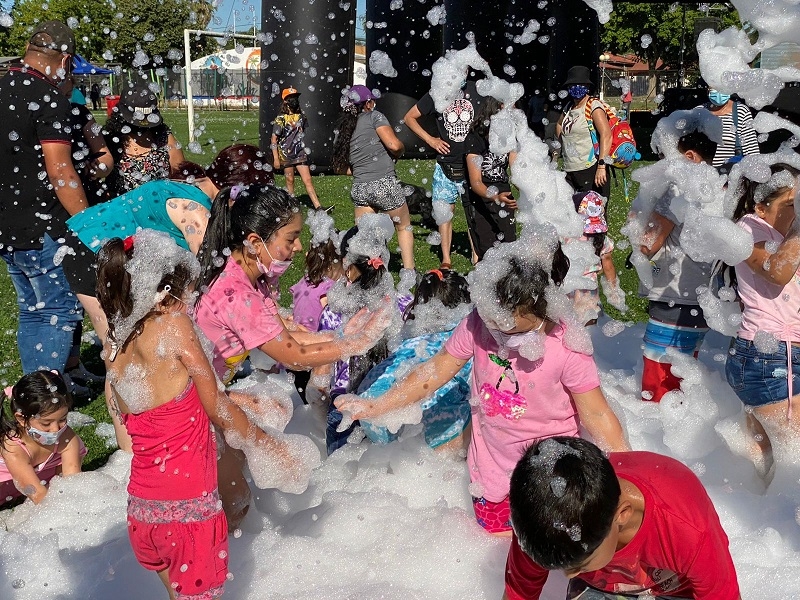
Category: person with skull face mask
<point>449,175</point>
<point>34,208</point>
<point>586,168</point>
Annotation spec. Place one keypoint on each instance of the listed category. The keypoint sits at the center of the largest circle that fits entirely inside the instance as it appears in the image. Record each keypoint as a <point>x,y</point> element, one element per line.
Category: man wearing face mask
<point>738,136</point>
<point>584,145</point>
<point>39,190</point>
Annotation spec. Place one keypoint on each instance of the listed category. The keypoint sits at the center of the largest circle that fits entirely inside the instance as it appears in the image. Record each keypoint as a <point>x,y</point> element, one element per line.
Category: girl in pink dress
<point>36,443</point>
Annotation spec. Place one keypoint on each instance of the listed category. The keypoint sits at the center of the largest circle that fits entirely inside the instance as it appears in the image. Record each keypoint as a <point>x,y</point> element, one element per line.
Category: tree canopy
<point>138,33</point>
<point>661,26</point>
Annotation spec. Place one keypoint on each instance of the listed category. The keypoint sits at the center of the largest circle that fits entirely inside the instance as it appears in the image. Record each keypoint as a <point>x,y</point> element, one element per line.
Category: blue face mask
<point>578,91</point>
<point>718,98</point>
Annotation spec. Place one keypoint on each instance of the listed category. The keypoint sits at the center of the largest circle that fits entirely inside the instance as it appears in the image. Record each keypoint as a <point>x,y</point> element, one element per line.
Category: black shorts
<point>80,269</point>
<point>583,181</point>
<point>489,223</point>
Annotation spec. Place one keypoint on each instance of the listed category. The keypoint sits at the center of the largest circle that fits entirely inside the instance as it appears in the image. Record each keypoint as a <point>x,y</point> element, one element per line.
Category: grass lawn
<point>224,128</point>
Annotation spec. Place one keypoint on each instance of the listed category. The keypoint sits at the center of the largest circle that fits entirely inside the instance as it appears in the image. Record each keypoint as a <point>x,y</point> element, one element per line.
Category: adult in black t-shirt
<point>491,209</point>
<point>39,190</point>
<point>449,176</point>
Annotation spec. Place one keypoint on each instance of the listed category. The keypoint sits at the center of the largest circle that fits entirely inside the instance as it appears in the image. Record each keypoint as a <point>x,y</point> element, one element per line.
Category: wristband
<point>602,164</point>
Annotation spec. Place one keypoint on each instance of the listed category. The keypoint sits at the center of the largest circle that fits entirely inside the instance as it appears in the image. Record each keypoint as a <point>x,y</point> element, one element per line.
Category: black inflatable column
<point>486,20</point>
<point>413,44</point>
<point>309,46</point>
<point>574,40</point>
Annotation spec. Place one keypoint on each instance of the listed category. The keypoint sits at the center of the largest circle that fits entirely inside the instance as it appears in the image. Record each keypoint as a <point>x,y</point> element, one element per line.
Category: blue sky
<point>250,11</point>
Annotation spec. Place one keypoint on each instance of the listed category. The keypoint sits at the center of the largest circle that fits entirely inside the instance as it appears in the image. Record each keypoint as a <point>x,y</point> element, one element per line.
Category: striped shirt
<point>747,135</point>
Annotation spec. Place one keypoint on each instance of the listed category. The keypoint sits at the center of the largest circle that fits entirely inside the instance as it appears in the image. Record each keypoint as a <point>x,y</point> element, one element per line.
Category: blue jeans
<point>762,378</point>
<point>48,310</point>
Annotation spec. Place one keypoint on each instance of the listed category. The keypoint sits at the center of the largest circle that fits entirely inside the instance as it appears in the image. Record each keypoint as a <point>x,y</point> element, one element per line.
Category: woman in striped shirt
<point>738,136</point>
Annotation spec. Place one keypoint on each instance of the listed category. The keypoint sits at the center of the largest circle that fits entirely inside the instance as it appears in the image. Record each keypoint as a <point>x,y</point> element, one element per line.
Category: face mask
<point>718,98</point>
<point>578,91</point>
<point>46,438</point>
<point>276,267</point>
<point>514,341</point>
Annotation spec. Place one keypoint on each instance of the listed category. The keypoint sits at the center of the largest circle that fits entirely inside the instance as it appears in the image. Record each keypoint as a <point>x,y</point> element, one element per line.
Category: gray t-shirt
<point>676,277</point>
<point>369,159</point>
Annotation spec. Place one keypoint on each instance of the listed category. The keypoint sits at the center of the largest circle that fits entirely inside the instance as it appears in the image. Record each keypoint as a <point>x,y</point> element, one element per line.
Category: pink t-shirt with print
<point>767,306</point>
<point>237,318</point>
<point>500,440</point>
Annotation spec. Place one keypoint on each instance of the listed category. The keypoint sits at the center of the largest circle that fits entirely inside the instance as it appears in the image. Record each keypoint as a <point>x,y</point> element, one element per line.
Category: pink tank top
<point>174,450</point>
<point>46,471</point>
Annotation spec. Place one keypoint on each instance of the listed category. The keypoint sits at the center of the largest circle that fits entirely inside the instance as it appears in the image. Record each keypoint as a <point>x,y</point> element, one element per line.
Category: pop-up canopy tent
<point>84,67</point>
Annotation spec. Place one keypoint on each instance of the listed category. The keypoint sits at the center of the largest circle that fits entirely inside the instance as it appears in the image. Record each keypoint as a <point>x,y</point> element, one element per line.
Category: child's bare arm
<point>70,453</point>
<point>609,270</point>
<point>420,383</point>
<point>25,477</point>
<point>600,421</point>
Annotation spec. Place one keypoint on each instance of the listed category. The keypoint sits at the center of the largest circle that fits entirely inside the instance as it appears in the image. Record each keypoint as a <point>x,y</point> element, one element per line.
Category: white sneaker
<point>83,375</point>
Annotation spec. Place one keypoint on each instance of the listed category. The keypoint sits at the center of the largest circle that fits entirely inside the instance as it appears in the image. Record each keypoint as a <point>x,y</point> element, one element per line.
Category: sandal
<point>445,265</point>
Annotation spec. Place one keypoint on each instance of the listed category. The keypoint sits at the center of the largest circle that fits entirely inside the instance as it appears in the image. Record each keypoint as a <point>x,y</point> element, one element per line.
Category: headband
<point>375,263</point>
<point>127,243</point>
<point>438,273</point>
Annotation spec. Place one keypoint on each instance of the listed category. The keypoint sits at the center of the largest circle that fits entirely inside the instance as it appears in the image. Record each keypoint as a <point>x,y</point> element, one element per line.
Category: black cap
<point>139,106</point>
<point>54,35</point>
<point>578,76</point>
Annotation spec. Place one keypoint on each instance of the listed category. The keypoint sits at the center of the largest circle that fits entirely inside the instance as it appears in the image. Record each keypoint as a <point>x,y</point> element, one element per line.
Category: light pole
<point>603,58</point>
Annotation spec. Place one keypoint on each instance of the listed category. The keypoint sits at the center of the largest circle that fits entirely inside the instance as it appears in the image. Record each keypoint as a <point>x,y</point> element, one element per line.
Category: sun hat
<point>54,35</point>
<point>578,76</point>
<point>139,106</point>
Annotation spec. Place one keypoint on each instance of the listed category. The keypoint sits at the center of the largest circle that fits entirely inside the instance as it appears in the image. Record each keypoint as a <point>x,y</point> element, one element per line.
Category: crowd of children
<point>493,365</point>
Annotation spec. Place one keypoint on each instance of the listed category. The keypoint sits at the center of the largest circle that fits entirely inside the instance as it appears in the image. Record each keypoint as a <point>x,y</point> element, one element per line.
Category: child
<point>35,441</point>
<point>288,151</point>
<point>676,319</point>
<point>441,300</point>
<point>323,269</point>
<point>167,395</point>
<point>587,301</point>
<point>526,382</point>
<point>633,525</point>
<point>368,281</point>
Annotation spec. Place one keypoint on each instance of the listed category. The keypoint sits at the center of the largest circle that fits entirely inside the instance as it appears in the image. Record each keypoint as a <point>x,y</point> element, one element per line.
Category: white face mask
<point>514,341</point>
<point>46,438</point>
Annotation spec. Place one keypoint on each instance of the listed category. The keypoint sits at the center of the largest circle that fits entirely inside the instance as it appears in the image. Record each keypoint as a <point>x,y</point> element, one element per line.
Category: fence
<point>647,87</point>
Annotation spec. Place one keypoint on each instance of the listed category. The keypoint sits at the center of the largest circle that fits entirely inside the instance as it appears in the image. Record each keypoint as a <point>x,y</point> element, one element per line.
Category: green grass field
<point>225,128</point>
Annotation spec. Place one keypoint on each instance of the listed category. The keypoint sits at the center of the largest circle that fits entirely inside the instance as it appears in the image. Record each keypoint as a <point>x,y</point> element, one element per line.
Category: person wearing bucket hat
<point>584,145</point>
<point>288,148</point>
<point>143,147</point>
<point>366,146</point>
<point>39,190</point>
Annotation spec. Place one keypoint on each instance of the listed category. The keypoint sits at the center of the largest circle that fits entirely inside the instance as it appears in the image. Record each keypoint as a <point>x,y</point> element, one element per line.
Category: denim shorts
<point>761,378</point>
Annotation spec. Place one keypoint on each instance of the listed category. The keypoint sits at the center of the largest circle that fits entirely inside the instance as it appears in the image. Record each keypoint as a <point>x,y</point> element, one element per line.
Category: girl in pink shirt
<point>759,369</point>
<point>526,382</point>
<point>35,441</point>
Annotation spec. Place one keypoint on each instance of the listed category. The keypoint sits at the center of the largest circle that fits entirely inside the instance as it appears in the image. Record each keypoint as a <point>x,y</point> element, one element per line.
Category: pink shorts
<point>494,517</point>
<point>193,547</point>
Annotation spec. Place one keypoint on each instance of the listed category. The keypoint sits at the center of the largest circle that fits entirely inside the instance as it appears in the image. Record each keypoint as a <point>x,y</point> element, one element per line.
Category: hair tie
<point>127,243</point>
<point>376,263</point>
<point>438,273</point>
<point>9,392</point>
<point>235,191</point>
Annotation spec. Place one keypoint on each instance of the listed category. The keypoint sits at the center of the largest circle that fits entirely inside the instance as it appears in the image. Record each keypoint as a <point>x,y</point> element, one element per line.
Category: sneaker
<point>83,375</point>
<point>78,392</point>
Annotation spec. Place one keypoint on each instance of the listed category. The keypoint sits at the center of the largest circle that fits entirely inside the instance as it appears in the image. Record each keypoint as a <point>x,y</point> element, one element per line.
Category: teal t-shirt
<point>142,208</point>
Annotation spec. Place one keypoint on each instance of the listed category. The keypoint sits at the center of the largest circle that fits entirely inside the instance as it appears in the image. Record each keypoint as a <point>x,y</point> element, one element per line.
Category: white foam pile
<point>395,522</point>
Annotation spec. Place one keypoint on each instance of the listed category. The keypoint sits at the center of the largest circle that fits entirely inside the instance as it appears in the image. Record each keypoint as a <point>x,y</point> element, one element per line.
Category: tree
<point>663,24</point>
<point>138,33</point>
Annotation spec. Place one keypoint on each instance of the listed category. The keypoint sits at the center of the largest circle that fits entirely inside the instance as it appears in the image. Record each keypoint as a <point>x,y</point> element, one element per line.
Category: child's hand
<point>614,294</point>
<point>356,407</point>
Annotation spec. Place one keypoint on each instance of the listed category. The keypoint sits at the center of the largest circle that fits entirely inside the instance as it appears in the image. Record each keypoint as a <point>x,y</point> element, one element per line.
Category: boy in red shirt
<point>630,524</point>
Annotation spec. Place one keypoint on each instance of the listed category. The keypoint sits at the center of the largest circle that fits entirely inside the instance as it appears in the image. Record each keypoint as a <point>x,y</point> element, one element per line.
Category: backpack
<point>623,145</point>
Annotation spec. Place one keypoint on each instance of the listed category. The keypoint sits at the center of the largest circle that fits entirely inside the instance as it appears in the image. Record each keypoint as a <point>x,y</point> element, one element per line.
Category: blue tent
<point>84,67</point>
